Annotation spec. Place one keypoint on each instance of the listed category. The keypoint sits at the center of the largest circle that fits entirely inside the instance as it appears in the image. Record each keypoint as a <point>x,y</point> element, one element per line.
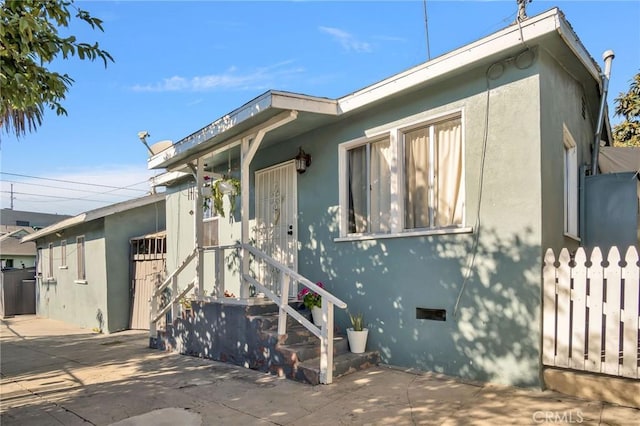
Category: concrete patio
<point>54,373</point>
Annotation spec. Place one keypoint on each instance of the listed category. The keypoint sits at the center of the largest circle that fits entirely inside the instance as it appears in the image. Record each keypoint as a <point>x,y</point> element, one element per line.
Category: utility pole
<point>11,197</point>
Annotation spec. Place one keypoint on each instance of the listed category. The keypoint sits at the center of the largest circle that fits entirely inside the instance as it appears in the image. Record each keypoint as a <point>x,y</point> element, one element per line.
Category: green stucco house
<point>83,263</point>
<point>425,201</point>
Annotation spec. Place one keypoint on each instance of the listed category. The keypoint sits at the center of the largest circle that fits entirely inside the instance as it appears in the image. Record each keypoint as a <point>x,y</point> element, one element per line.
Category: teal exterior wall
<point>102,301</point>
<point>64,299</point>
<point>572,105</point>
<point>119,229</point>
<point>495,332</point>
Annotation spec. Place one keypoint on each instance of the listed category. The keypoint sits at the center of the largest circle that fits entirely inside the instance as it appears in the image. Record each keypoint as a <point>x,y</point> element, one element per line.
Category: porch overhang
<point>249,118</point>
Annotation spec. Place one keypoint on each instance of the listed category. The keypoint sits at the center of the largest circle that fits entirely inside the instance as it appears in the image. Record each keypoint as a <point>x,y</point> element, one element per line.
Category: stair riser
<point>340,346</point>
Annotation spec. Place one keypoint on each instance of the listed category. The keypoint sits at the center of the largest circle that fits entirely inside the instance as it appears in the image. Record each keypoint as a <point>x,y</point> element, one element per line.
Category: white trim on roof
<point>511,37</point>
<point>268,100</point>
<point>507,38</point>
<point>94,214</point>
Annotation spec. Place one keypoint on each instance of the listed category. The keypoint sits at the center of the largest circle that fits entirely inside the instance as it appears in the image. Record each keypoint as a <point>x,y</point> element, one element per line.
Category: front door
<point>276,233</point>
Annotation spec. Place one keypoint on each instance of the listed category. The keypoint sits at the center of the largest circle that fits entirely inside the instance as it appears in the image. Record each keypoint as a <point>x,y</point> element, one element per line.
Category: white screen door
<point>276,234</point>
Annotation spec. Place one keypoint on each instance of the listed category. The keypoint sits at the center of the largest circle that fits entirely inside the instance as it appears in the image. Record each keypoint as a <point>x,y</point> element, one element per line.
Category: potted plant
<point>357,334</point>
<point>313,302</point>
<point>215,191</point>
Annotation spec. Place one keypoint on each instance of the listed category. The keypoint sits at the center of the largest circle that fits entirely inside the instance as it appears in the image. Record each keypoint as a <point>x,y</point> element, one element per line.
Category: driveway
<point>56,374</point>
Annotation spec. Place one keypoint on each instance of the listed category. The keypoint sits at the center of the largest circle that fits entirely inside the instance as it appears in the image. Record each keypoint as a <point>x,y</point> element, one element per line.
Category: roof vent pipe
<point>608,58</point>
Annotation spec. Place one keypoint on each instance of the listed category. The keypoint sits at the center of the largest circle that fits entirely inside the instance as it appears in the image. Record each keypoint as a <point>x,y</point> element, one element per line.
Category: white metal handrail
<point>325,332</point>
<point>172,279</point>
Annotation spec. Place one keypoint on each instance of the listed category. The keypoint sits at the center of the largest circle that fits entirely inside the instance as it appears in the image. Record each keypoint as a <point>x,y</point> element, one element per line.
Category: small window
<point>82,275</point>
<point>63,253</point>
<point>210,237</point>
<point>369,187</point>
<point>50,261</point>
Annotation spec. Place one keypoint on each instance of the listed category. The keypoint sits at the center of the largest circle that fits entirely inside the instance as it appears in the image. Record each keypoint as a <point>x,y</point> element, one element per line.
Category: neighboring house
<point>83,269</point>
<point>14,254</point>
<point>10,218</point>
<point>15,224</point>
<point>428,198</point>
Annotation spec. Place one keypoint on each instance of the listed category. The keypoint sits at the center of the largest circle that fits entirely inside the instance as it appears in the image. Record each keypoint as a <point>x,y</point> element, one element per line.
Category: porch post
<point>245,162</point>
<point>198,217</point>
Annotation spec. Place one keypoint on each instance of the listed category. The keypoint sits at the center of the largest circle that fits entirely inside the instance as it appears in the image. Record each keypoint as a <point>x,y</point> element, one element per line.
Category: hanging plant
<point>226,186</point>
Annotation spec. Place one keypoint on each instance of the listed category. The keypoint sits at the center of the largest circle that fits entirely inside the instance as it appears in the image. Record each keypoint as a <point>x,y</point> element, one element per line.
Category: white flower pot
<point>225,187</point>
<point>316,313</point>
<point>357,340</point>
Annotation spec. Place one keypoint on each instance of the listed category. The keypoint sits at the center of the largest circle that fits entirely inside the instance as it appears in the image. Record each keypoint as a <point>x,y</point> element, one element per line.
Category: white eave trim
<point>167,178</point>
<point>507,38</point>
<point>271,99</point>
<point>93,215</point>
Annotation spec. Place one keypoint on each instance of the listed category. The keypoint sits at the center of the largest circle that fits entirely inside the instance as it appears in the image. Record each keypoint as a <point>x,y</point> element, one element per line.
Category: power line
<point>53,196</point>
<point>128,188</point>
<point>60,187</point>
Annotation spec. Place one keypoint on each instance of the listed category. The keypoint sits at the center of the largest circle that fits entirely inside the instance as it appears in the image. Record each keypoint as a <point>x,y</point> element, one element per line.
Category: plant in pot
<point>357,334</point>
<point>313,302</point>
<point>215,191</point>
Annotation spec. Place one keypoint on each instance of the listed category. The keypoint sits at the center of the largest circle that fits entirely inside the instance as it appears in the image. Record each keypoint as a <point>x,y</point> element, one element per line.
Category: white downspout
<point>608,58</point>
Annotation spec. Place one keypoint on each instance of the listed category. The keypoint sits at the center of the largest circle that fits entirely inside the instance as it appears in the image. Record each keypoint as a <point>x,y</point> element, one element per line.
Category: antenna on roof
<point>522,10</point>
<point>426,28</point>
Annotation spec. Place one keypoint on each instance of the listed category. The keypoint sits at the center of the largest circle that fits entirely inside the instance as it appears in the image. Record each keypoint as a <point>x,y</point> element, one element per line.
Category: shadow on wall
<point>492,333</point>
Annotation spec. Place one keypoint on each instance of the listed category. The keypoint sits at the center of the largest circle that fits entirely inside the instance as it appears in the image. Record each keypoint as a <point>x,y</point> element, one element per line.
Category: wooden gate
<point>148,270</point>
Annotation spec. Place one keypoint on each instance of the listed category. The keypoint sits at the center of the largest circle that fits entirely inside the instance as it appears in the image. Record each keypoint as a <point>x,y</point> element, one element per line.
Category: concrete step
<point>309,371</point>
<point>298,352</point>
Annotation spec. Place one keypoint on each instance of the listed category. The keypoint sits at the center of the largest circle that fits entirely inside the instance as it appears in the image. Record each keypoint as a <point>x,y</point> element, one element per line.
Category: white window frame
<point>394,131</point>
<point>81,270</point>
<point>210,224</point>
<point>570,186</point>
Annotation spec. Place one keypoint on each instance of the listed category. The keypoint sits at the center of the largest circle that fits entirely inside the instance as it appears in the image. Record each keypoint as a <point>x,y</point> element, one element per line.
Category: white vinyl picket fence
<point>591,312</point>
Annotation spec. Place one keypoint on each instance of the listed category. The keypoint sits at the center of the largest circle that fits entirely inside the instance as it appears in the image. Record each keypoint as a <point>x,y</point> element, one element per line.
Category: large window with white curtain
<point>434,189</point>
<point>409,179</point>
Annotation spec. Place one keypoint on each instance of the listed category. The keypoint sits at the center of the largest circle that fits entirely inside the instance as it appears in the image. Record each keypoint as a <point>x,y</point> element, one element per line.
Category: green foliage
<point>627,133</point>
<point>29,42</point>
<point>217,195</point>
<point>357,321</point>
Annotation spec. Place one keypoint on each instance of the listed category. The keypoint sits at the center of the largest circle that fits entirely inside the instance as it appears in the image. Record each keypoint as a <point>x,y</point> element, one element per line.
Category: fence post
<point>612,312</point>
<point>549,308</point>
<point>563,310</point>
<point>629,318</point>
<point>578,297</point>
<point>596,283</point>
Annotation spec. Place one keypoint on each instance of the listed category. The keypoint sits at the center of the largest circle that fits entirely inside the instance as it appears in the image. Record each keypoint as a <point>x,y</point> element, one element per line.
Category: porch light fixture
<point>303,160</point>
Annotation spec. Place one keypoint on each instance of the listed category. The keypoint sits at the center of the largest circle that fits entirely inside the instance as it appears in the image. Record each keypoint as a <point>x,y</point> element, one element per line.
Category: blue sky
<point>181,65</point>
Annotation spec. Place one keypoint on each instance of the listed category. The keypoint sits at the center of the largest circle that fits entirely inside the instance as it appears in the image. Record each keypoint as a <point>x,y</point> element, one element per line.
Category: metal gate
<point>148,270</point>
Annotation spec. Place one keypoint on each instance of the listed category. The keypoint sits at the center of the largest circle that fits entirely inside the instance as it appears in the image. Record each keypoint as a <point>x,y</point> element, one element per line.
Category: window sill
<point>63,267</point>
<point>573,237</point>
<point>80,282</point>
<point>421,233</point>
